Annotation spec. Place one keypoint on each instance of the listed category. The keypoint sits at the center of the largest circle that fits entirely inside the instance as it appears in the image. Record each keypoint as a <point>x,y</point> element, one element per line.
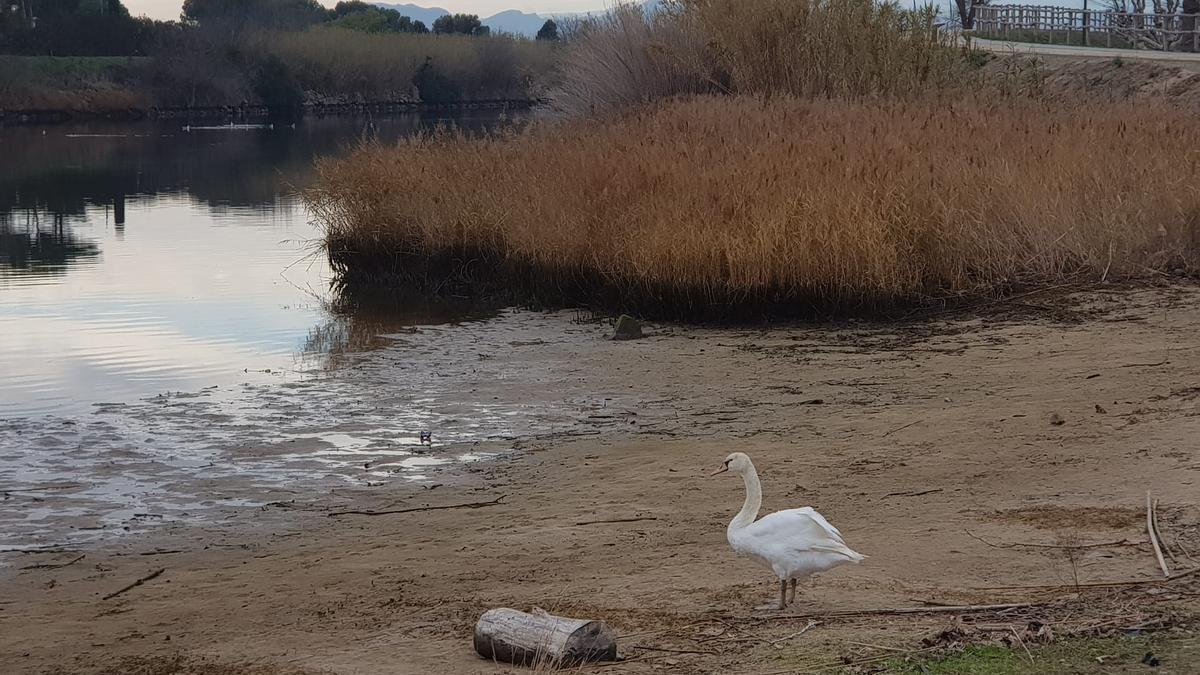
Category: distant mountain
<point>509,21</point>
<point>515,21</point>
<point>426,15</point>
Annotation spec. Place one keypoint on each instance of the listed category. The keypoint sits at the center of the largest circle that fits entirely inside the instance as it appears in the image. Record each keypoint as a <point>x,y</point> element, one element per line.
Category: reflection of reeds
<point>361,320</point>
<point>696,204</point>
<point>40,244</point>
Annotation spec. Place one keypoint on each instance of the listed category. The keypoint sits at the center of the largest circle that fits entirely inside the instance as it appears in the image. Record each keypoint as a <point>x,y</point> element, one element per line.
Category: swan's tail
<point>844,551</point>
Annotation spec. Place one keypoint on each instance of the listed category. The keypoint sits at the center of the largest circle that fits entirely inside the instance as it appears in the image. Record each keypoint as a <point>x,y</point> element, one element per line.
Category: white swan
<point>794,543</point>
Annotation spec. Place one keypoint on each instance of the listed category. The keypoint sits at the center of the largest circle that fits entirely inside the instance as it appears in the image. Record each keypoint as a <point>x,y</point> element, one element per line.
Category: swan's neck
<point>753,501</point>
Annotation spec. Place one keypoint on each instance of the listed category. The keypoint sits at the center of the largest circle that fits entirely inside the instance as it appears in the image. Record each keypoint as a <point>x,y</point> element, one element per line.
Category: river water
<point>139,260</point>
<point>165,328</point>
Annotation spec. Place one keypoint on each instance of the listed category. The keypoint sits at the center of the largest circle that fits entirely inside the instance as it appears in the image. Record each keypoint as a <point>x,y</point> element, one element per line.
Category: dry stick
<point>45,566</point>
<point>615,520</point>
<point>1023,645</point>
<point>798,633</point>
<point>139,582</point>
<point>471,505</point>
<point>1145,365</point>
<point>671,651</point>
<point>913,494</point>
<point>1154,537</point>
<point>901,428</point>
<point>905,610</point>
<point>1102,544</point>
<point>883,647</point>
<point>1157,531</point>
<point>1094,584</point>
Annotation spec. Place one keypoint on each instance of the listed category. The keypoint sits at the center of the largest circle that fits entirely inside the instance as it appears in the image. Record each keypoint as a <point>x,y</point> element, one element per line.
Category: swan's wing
<point>812,513</point>
<point>791,536</point>
<point>805,526</point>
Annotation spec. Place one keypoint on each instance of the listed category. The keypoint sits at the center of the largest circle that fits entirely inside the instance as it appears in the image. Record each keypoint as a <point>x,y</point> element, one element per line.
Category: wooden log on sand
<point>541,638</point>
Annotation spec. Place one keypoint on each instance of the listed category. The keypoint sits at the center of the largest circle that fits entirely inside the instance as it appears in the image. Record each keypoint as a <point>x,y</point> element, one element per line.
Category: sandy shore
<point>935,447</point>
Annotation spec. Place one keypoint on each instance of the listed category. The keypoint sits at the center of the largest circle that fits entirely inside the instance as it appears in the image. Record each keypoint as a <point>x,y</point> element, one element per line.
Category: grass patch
<point>69,82</point>
<point>1060,37</point>
<point>67,68</point>
<point>718,206</point>
<point>1076,655</point>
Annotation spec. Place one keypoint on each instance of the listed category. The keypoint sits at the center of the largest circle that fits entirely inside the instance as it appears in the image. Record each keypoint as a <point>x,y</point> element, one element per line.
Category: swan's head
<point>738,462</point>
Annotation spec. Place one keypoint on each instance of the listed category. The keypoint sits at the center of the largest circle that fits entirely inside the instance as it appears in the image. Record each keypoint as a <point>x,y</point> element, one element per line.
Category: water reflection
<point>141,259</point>
<point>38,247</point>
<point>364,321</point>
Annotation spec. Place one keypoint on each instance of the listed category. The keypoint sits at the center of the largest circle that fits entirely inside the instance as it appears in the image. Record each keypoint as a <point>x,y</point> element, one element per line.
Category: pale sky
<point>169,9</point>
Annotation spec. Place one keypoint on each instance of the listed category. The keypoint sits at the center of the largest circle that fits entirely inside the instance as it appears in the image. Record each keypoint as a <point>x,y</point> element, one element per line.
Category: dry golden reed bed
<point>780,202</point>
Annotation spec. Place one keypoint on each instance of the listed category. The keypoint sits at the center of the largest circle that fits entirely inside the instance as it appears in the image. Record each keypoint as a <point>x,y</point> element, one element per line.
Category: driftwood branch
<point>50,566</point>
<point>1102,544</point>
<point>1154,536</point>
<point>540,638</point>
<point>1158,532</point>
<point>901,428</point>
<point>940,609</point>
<point>1094,584</point>
<point>913,493</point>
<point>153,575</point>
<point>671,651</point>
<point>1145,365</point>
<point>615,520</point>
<point>470,505</point>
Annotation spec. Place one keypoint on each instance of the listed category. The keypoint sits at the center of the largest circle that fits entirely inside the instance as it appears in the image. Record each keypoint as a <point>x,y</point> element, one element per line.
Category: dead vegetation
<point>778,204</point>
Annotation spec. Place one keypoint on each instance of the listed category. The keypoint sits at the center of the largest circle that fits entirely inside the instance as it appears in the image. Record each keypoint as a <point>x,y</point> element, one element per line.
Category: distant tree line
<point>105,27</point>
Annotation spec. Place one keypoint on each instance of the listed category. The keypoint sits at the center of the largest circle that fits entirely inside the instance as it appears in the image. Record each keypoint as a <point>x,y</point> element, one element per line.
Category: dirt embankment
<point>1000,460</point>
<point>1074,79</point>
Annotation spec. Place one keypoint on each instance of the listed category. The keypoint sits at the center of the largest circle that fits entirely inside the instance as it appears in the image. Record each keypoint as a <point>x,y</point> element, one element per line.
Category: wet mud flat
<point>1001,459</point>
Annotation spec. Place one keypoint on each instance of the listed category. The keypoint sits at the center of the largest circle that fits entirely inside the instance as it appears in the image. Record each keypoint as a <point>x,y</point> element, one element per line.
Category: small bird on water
<point>794,544</point>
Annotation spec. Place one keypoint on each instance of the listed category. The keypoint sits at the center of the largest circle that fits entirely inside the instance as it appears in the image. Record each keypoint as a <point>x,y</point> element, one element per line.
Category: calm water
<point>137,260</point>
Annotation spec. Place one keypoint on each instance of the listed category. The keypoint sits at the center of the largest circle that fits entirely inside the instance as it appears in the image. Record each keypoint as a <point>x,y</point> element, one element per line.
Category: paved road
<point>1002,47</point>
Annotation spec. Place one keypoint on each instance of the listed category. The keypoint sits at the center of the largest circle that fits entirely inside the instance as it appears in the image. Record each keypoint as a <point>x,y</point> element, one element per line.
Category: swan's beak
<point>723,469</point>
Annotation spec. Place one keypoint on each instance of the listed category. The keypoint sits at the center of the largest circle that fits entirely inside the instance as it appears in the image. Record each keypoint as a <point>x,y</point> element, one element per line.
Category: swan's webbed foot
<point>783,584</point>
<point>792,595</point>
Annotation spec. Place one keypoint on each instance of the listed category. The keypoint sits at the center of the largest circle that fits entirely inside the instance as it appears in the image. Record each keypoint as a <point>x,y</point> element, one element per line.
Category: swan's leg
<point>782,593</point>
<point>792,595</point>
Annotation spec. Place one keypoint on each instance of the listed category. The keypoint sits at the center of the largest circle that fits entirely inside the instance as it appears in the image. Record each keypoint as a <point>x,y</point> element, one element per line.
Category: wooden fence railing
<point>1168,32</point>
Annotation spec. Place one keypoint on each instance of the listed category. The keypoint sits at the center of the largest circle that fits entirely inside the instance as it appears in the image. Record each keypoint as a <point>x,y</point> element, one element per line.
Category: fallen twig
<point>1145,365</point>
<point>916,493</point>
<point>161,552</point>
<point>615,520</point>
<point>802,631</point>
<point>470,505</point>
<point>1094,584</point>
<point>671,651</point>
<point>153,575</point>
<point>905,610</point>
<point>46,566</point>
<point>1154,536</point>
<point>1102,544</point>
<point>1161,538</point>
<point>901,428</point>
<point>1022,643</point>
<point>883,647</point>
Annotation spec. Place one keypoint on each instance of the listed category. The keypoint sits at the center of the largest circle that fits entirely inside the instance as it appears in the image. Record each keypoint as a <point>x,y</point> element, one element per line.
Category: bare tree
<point>1158,28</point>
<point>966,12</point>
